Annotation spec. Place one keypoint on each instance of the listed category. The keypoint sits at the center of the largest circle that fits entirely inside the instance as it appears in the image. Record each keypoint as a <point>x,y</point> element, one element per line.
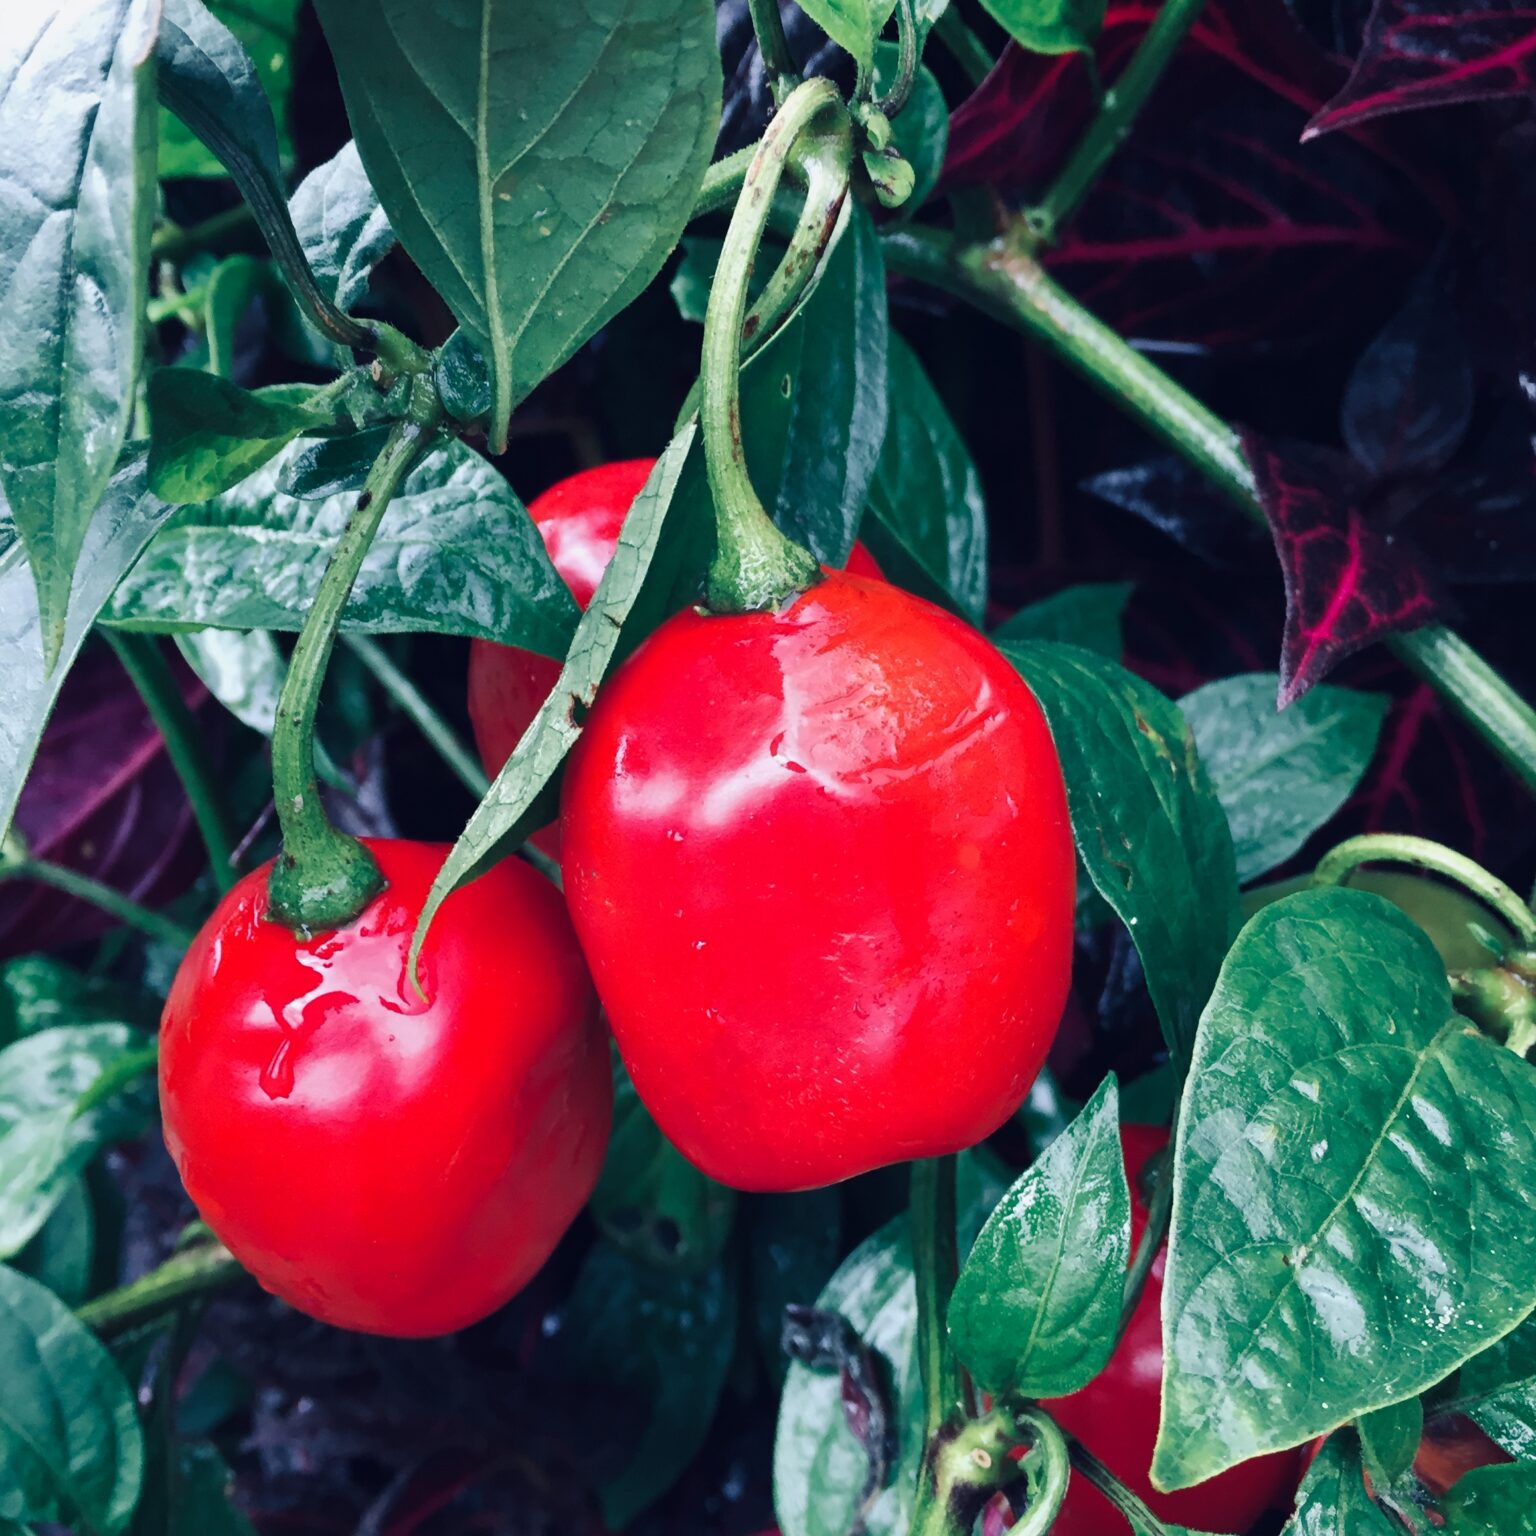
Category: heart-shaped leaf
<point>1353,1179</point>
<point>490,133</point>
<point>77,153</point>
<point>1150,830</point>
<point>70,1447</point>
<point>1036,1307</point>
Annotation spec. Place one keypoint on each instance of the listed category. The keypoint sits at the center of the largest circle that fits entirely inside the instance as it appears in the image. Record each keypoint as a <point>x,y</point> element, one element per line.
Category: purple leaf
<point>1432,53</point>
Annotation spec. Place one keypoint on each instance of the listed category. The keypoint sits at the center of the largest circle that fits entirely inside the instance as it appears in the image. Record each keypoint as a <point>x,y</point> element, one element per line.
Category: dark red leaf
<point>1432,53</point>
<point>1174,497</point>
<point>1346,582</point>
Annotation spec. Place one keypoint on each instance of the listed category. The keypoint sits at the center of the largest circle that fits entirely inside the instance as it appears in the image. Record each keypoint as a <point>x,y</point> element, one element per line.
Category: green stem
<point>756,567</point>
<point>1159,1213</point>
<point>1050,1470</point>
<point>935,1264</point>
<point>768,25</point>
<point>1118,111</point>
<point>191,1272</point>
<point>145,665</point>
<point>171,242</point>
<point>1003,279</point>
<point>1336,866</point>
<point>323,878</point>
<point>722,183</point>
<point>154,925</point>
<point>1142,1521</point>
<point>416,707</point>
<point>967,50</point>
<point>900,92</point>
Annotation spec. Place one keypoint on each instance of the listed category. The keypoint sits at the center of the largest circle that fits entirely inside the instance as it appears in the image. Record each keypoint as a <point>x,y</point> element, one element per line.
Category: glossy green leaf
<point>1280,774</point>
<point>1497,1390</point>
<point>489,129</point>
<point>37,992</point>
<point>1332,1500</point>
<point>650,1200</point>
<point>1493,1501</point>
<point>921,130</point>
<point>124,522</point>
<point>819,1468</point>
<point>852,24</point>
<point>654,570</point>
<point>1037,1305</point>
<point>655,1345</point>
<point>70,1448</point>
<point>1088,615</point>
<point>64,1093</point>
<point>342,228</point>
<point>456,553</point>
<point>793,1248</point>
<point>267,29</point>
<point>1050,26</point>
<point>927,522</point>
<point>1148,826</point>
<point>207,435</point>
<point>1353,1181</point>
<point>327,466</point>
<point>1389,1439</point>
<point>59,1254</point>
<point>243,670</point>
<point>77,158</point>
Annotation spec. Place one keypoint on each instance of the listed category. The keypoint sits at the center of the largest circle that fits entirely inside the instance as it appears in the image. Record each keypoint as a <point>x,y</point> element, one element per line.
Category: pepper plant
<point>800,713</point>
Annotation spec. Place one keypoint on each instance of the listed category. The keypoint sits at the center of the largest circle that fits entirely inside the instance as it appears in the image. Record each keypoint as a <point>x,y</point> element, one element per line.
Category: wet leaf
<point>1150,830</point>
<point>1497,1390</point>
<point>77,153</point>
<point>1037,1304</point>
<point>1344,1134</point>
<point>342,228</point>
<point>1280,774</point>
<point>70,1447</point>
<point>1333,1501</point>
<point>1088,615</point>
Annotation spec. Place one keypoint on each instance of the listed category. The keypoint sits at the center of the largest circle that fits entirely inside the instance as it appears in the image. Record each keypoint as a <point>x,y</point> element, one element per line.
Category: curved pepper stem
<point>323,878</point>
<point>756,567</point>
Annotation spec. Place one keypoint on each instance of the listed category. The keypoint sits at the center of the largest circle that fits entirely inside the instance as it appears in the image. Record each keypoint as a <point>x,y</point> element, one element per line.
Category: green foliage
<point>77,152</point>
<point>852,24</point>
<point>1037,1306</point>
<point>340,225</point>
<point>456,553</point>
<point>651,1201</point>
<point>1354,1171</point>
<point>1089,615</point>
<point>70,1446</point>
<point>1493,1501</point>
<point>61,1252</point>
<point>1280,774</point>
<point>926,523</point>
<point>1050,26</point>
<point>1497,1390</point>
<point>489,132</point>
<point>921,131</point>
<point>1332,1500</point>
<point>1148,826</point>
<point>1389,1438</point>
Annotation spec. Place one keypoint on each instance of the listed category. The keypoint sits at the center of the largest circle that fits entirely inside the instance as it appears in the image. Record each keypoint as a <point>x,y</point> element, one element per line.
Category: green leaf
<point>794,1242</point>
<point>852,24</point>
<point>651,1201</point>
<point>186,1491</point>
<point>1332,1500</point>
<point>1088,615</point>
<point>64,1094</point>
<point>123,524</point>
<point>927,522</point>
<point>267,29</point>
<point>1497,1391</point>
<point>1389,1440</point>
<point>1353,1181</point>
<point>537,159</point>
<point>77,157</point>
<point>657,562</point>
<point>235,285</point>
<point>1493,1501</point>
<point>38,992</point>
<point>343,230</point>
<point>70,1448</point>
<point>1050,26</point>
<point>1280,774</point>
<point>456,553</point>
<point>243,670</point>
<point>59,1255</point>
<point>1037,1305</point>
<point>921,130</point>
<point>207,435</point>
<point>656,1345</point>
<point>326,466</point>
<point>1148,826</point>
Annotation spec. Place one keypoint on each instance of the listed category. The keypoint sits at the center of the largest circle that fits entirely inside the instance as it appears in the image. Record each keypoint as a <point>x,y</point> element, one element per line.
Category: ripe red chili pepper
<point>579,519</point>
<point>820,863</point>
<point>1116,1415</point>
<point>382,1162</point>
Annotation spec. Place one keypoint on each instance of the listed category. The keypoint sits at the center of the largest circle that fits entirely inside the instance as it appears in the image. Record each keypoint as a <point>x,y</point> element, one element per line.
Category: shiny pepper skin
<point>380,1162</point>
<point>579,519</point>
<point>821,867</point>
<point>1116,1414</point>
